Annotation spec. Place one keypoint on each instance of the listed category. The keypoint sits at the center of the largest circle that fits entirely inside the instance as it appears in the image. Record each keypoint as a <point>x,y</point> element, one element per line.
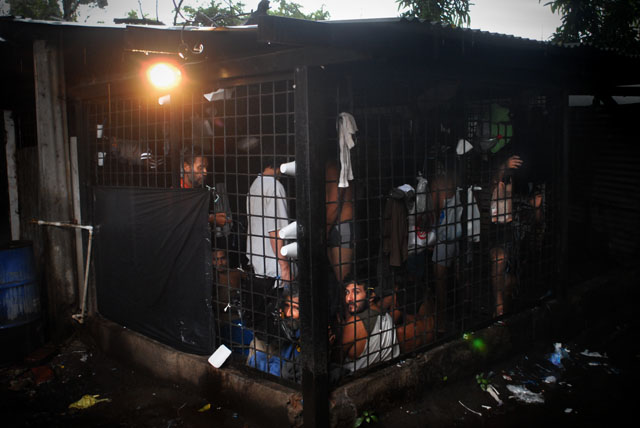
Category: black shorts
<point>342,235</point>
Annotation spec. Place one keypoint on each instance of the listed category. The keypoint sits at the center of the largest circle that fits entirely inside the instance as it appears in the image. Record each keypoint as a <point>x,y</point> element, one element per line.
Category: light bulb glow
<point>164,75</point>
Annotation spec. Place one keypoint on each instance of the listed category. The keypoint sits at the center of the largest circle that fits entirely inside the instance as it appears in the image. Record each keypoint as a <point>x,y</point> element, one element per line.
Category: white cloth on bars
<point>346,129</point>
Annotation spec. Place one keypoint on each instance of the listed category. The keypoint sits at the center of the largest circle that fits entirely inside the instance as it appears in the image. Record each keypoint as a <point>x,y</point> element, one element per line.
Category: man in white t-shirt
<point>267,213</point>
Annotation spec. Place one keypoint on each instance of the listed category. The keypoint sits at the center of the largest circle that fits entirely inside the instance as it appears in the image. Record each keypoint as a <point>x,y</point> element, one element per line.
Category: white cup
<point>288,168</point>
<point>290,231</point>
<point>290,250</point>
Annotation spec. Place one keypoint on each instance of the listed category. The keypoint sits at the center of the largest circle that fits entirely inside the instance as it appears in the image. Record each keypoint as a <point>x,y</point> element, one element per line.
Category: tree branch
<point>177,11</point>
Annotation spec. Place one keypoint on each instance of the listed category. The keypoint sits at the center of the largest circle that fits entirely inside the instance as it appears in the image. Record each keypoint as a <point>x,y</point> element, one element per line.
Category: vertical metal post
<point>175,137</point>
<point>77,215</point>
<point>562,211</point>
<point>311,217</point>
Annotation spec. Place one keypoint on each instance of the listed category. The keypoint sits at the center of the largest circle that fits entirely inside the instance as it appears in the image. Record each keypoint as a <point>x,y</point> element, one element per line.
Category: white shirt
<point>382,345</point>
<point>267,212</point>
<point>450,223</point>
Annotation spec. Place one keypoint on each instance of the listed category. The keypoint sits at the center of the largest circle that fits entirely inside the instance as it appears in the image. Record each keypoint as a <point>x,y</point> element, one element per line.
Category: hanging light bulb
<point>164,75</point>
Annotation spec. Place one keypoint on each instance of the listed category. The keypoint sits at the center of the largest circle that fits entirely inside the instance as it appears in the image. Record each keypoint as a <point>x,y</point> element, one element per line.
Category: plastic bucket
<point>20,310</point>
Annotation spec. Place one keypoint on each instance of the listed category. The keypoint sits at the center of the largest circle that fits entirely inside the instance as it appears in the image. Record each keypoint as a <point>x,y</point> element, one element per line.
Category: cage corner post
<point>563,175</point>
<point>310,194</point>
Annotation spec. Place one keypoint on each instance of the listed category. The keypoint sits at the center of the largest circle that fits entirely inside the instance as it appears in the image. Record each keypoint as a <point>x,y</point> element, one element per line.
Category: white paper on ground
<point>220,356</point>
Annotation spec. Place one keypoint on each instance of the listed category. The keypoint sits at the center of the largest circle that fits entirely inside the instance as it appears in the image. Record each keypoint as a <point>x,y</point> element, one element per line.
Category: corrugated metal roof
<point>392,20</point>
<point>437,27</point>
<point>469,30</point>
<point>98,26</point>
<point>59,23</point>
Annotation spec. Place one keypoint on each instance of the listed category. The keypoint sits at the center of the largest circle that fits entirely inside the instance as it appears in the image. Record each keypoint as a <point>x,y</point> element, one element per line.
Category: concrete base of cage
<point>268,402</point>
<point>553,320</point>
<point>272,404</point>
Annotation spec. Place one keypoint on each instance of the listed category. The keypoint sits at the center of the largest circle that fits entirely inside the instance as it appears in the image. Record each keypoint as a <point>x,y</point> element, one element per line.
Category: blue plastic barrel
<point>20,310</point>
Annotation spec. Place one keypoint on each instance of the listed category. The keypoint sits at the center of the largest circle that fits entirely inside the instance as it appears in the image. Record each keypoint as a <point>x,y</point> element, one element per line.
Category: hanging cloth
<point>347,127</point>
<point>395,225</point>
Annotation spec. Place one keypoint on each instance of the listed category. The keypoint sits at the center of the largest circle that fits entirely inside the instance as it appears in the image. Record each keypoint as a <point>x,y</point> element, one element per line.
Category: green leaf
<point>358,422</point>
<point>374,418</point>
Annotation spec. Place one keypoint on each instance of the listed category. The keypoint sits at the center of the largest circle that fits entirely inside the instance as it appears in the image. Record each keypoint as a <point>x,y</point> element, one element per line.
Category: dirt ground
<point>595,385</point>
<point>37,392</point>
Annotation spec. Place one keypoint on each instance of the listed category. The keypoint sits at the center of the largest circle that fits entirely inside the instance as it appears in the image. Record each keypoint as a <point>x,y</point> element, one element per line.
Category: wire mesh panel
<point>231,143</point>
<point>450,211</point>
<point>257,313</point>
<point>439,206</point>
<point>129,138</point>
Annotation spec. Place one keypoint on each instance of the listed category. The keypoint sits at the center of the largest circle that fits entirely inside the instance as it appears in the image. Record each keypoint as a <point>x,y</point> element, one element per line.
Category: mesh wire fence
<point>446,222</point>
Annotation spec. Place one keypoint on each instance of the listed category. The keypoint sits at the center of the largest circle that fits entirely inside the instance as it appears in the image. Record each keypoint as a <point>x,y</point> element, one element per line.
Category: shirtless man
<point>340,225</point>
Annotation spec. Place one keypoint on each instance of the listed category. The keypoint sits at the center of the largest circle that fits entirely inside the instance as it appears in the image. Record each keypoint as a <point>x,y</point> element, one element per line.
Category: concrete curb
<point>272,404</point>
<point>269,403</point>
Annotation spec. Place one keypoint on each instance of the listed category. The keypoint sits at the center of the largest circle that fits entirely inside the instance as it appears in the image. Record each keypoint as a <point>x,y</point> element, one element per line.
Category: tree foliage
<point>606,23</point>
<point>218,14</point>
<point>133,14</point>
<point>66,10</point>
<point>454,12</point>
<point>233,13</point>
<point>36,9</point>
<point>294,10</point>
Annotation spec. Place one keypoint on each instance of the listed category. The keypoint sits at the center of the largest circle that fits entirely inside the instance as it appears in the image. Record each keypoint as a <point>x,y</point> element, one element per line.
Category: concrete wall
<point>272,404</point>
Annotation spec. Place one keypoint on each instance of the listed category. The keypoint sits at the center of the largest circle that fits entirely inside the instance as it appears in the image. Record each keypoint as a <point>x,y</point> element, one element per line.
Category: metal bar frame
<point>310,191</point>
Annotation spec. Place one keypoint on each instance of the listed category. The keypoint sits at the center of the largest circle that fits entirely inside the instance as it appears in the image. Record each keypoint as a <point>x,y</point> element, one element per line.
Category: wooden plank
<point>54,185</point>
<point>12,175</point>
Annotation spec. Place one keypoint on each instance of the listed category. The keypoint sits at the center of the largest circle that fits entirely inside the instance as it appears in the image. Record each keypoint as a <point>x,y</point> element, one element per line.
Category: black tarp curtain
<point>154,264</point>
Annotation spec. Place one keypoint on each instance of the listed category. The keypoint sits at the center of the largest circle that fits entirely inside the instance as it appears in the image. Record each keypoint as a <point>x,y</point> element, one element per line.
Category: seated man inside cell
<point>227,299</point>
<point>228,282</point>
<point>413,329</point>
<point>368,335</point>
<point>282,358</point>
